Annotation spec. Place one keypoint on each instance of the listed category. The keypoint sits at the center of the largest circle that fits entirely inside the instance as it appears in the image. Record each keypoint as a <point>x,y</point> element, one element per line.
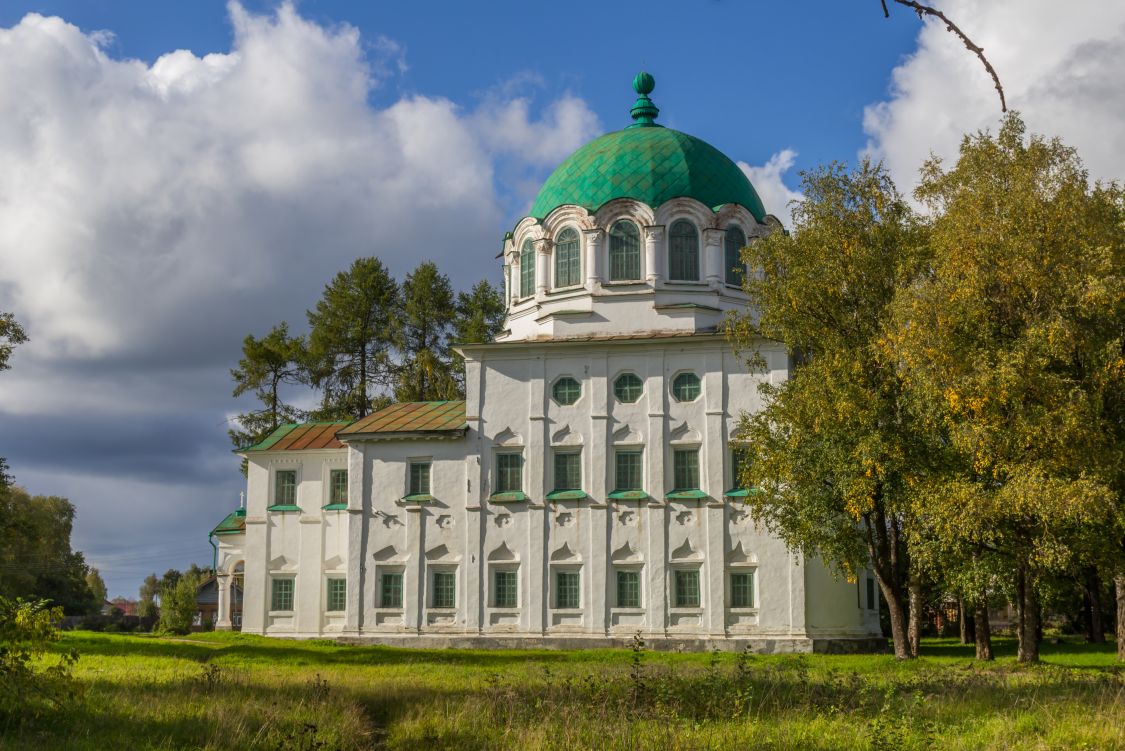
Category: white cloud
<point>767,180</point>
<point>1060,65</point>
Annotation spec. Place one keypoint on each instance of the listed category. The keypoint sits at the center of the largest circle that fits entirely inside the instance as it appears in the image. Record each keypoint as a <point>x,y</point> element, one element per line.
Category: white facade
<point>618,397</point>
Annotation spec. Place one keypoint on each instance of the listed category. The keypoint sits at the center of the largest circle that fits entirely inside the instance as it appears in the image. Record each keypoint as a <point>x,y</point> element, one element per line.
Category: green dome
<point>650,164</point>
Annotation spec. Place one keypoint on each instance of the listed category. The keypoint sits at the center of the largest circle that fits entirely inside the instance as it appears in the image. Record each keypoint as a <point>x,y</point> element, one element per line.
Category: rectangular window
<point>628,589</point>
<point>568,471</point>
<point>685,469</point>
<point>738,463</point>
<point>281,594</point>
<point>445,590</point>
<point>628,471</point>
<point>871,602</point>
<point>390,589</point>
<point>566,589</point>
<point>687,589</point>
<point>285,487</point>
<point>337,595</point>
<point>505,589</point>
<point>420,478</point>
<point>338,485</point>
<point>527,271</point>
<point>509,473</point>
<point>742,590</point>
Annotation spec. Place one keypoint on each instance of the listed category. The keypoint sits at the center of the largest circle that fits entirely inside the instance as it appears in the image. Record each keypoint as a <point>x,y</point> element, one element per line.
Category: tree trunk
<point>915,628</point>
<point>896,611</point>
<point>1119,582</point>
<point>1095,632</point>
<point>983,632</point>
<point>962,620</point>
<point>1029,618</point>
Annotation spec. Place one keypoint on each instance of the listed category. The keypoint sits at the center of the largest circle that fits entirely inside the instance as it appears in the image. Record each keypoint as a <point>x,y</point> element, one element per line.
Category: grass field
<point>220,691</point>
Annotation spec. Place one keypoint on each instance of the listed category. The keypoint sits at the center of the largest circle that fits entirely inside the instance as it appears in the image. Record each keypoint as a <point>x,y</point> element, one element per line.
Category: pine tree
<point>425,370</point>
<point>352,331</point>
<point>267,365</point>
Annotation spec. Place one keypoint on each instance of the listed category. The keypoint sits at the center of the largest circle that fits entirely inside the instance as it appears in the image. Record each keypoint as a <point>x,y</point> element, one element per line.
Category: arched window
<point>732,258</point>
<point>568,266</point>
<point>683,252</point>
<point>624,252</point>
<point>527,269</point>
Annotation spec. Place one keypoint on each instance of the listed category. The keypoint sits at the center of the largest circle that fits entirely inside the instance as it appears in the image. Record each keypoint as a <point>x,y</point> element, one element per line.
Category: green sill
<point>629,495</point>
<point>514,496</point>
<point>417,498</point>
<point>685,495</point>
<point>566,495</point>
<point>335,507</point>
<point>737,493</point>
<point>284,507</point>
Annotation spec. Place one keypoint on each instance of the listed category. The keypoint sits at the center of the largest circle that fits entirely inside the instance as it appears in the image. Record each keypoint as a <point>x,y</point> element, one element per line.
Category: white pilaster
<point>542,267</point>
<point>654,266</point>
<point>713,256</point>
<point>594,273</point>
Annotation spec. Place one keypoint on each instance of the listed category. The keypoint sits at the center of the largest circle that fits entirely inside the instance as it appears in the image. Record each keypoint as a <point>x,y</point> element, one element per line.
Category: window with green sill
<point>420,477</point>
<point>567,591</point>
<point>285,487</point>
<point>337,598</point>
<point>628,470</point>
<point>686,585</point>
<point>568,264</point>
<point>444,591</point>
<point>733,244</point>
<point>683,252</point>
<point>685,469</point>
<point>686,387</point>
<point>568,470</point>
<point>742,589</point>
<point>628,388</point>
<point>628,588</point>
<point>281,594</point>
<point>338,486</point>
<point>624,252</point>
<point>505,588</point>
<point>527,269</point>
<point>566,391</point>
<point>509,473</point>
<point>390,589</point>
<point>739,463</point>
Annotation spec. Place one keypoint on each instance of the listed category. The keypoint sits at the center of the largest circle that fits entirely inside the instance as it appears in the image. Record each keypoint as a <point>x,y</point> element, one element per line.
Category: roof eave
<point>406,435</point>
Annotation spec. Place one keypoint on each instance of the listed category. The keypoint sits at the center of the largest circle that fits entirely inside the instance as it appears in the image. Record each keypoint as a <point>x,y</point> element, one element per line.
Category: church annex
<point>585,488</point>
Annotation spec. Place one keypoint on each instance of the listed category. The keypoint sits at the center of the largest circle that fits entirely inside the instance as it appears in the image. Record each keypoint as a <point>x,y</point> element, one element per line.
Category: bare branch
<point>925,10</point>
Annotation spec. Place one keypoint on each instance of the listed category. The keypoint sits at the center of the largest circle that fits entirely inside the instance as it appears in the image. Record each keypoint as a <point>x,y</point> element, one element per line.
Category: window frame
<point>683,451</point>
<point>275,580</point>
<point>735,272</point>
<point>500,472</point>
<point>571,454</point>
<point>676,388</point>
<point>675,593</point>
<point>495,589</point>
<point>382,573</point>
<point>673,251</point>
<point>426,462</point>
<point>640,386</point>
<point>329,581</point>
<point>628,451</point>
<point>574,263</point>
<point>560,381</point>
<point>632,571</point>
<point>527,269</point>
<point>561,571</point>
<point>747,571</point>
<point>622,256</point>
<point>277,473</point>
<point>333,473</point>
<point>434,590</point>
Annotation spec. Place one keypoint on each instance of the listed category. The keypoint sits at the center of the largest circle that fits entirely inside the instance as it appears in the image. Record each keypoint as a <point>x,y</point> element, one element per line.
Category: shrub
<point>177,605</point>
<point>29,687</point>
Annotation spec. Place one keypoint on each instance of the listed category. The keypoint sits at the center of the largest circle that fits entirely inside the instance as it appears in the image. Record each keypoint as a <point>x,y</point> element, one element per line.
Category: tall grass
<point>219,691</point>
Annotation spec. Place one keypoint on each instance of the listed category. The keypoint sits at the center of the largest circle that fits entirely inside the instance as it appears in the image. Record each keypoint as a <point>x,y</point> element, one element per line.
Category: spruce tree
<point>426,322</point>
<point>267,365</point>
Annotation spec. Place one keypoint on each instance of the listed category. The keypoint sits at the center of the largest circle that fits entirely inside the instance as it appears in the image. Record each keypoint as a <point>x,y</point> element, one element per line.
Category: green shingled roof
<point>234,524</point>
<point>650,164</point>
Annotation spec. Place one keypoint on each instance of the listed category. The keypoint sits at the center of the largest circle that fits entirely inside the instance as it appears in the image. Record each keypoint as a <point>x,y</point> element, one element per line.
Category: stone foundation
<point>868,645</point>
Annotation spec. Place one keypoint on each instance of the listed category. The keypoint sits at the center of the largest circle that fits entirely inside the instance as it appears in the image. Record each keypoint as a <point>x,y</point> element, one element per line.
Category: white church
<point>586,488</point>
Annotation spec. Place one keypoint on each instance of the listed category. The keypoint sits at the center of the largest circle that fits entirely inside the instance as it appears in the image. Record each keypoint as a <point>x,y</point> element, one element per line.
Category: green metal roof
<point>648,163</point>
<point>234,524</point>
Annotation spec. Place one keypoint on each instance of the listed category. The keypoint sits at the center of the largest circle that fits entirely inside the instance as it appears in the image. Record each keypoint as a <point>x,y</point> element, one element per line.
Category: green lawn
<point>240,692</point>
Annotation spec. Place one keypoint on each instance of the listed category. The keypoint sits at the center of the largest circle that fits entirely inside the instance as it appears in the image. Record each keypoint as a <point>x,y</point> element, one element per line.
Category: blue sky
<point>178,175</point>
